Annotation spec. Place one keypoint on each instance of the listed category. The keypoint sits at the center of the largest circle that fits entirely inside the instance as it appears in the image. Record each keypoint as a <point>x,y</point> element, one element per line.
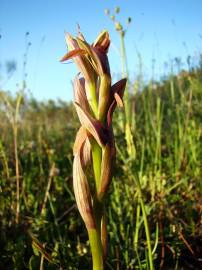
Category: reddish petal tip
<point>71,54</point>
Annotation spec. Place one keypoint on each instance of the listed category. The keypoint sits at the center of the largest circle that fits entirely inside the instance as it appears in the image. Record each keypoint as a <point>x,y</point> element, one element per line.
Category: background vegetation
<point>40,225</point>
<point>154,207</point>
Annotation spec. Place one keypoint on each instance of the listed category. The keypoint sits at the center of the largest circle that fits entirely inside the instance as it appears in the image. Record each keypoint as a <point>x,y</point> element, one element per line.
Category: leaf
<point>38,247</point>
<point>71,54</point>
<point>80,93</point>
<point>118,99</point>
<point>94,127</point>
<point>104,96</point>
<point>82,193</point>
<point>80,138</point>
<point>82,61</point>
<point>117,91</point>
<point>86,153</point>
<point>34,263</point>
<point>89,54</point>
<point>119,87</point>
<point>106,170</point>
<point>82,144</point>
<point>110,113</point>
<point>101,60</point>
<point>102,41</point>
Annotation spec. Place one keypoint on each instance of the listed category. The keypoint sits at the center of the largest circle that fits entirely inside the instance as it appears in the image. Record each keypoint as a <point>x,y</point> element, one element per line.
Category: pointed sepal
<point>93,126</point>
<point>106,171</point>
<point>82,193</point>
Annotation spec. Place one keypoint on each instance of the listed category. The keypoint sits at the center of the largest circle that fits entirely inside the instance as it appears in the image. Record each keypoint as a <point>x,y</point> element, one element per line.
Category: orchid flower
<point>95,100</point>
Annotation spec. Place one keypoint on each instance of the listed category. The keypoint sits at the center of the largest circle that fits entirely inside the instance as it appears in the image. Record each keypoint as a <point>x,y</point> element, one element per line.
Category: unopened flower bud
<point>112,17</point>
<point>82,193</point>
<point>129,20</point>
<point>118,26</point>
<point>117,10</point>
<point>107,11</point>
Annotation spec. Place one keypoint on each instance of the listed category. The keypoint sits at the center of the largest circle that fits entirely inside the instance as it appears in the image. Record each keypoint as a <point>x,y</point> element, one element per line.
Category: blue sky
<point>160,30</point>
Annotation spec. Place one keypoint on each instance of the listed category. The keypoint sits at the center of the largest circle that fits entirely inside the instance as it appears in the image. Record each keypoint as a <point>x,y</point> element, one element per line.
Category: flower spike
<point>95,100</point>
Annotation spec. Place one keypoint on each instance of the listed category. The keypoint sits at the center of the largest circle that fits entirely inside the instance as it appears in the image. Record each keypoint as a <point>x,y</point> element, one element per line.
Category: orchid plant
<point>95,100</point>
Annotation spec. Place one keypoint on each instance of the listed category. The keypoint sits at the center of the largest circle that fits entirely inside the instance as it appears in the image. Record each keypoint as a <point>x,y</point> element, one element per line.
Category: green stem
<point>93,99</point>
<point>125,73</point>
<point>97,159</point>
<point>129,114</point>
<point>104,93</point>
<point>123,56</point>
<point>147,232</point>
<point>95,234</point>
<point>96,249</point>
<point>137,225</point>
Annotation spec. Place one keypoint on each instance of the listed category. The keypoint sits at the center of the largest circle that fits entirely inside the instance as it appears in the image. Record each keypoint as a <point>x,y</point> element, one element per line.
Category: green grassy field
<point>155,193</point>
